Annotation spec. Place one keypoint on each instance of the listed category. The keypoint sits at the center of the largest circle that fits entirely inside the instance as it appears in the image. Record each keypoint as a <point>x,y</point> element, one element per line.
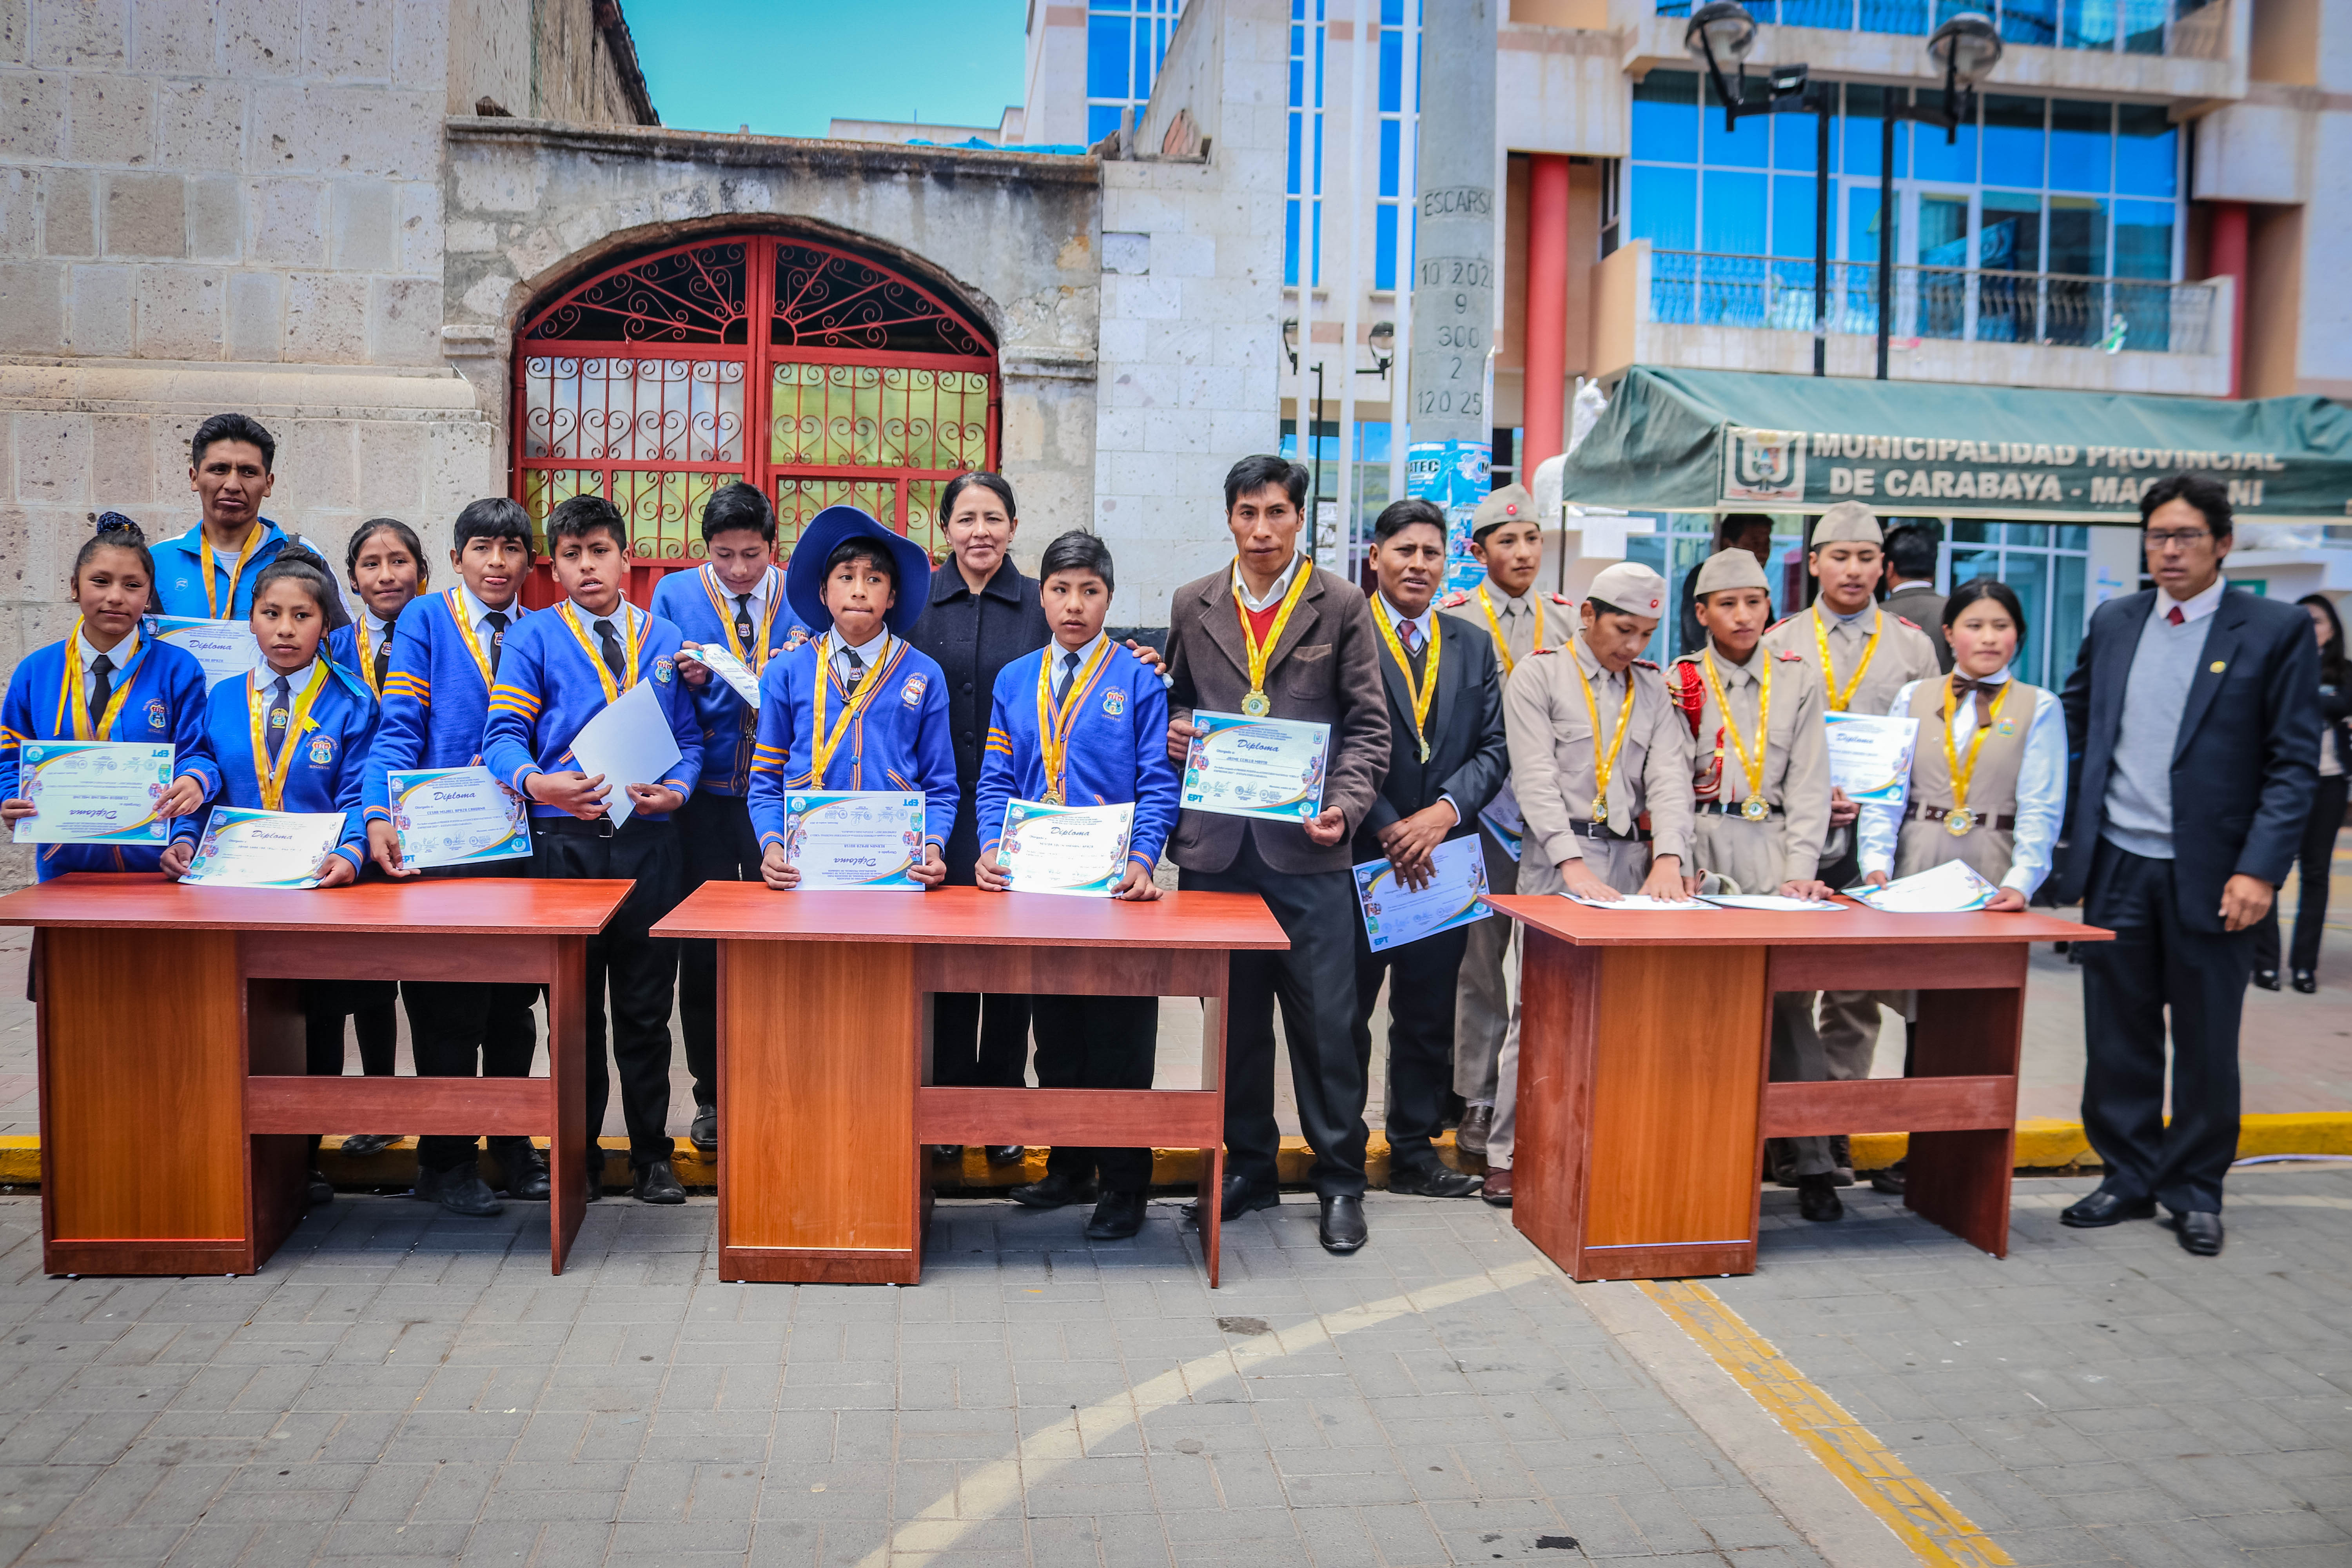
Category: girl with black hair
<point>108,681</point>
<point>2317,855</point>
<point>1988,773</point>
<point>385,565</point>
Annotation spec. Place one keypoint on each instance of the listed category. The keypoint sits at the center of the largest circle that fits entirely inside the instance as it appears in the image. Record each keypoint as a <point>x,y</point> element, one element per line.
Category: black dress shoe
<point>525,1165</point>
<point>704,1134</point>
<point>1342,1229</point>
<point>591,1184</point>
<point>1056,1191</point>
<point>1239,1198</point>
<point>1817,1197</point>
<point>2305,981</point>
<point>320,1190</point>
<point>1117,1217</point>
<point>1433,1181</point>
<point>2199,1231</point>
<point>2266,978</point>
<point>1006,1153</point>
<point>1890,1179</point>
<point>461,1191</point>
<point>948,1151</point>
<point>658,1183</point>
<point>2103,1208</point>
<point>360,1145</point>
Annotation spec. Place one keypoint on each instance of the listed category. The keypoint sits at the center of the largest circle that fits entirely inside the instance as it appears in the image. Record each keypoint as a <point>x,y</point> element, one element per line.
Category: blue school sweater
<point>437,698</point>
<point>330,760</point>
<point>549,687</point>
<point>342,646</point>
<point>1118,748</point>
<point>899,743</point>
<point>182,565</point>
<point>166,703</point>
<point>702,609</point>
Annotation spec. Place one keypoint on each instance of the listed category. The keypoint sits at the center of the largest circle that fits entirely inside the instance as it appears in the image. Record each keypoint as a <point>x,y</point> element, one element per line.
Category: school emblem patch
<point>322,750</point>
<point>1114,702</point>
<point>911,694</point>
<point>664,670</point>
<point>159,718</point>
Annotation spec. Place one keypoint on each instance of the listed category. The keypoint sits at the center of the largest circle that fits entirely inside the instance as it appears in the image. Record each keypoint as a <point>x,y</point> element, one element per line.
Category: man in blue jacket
<point>210,570</point>
<point>2192,722</point>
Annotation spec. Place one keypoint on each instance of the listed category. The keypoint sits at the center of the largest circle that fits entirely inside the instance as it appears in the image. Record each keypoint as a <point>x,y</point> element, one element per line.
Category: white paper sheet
<point>1766,901</point>
<point>1870,755</point>
<point>1951,888</point>
<point>1639,902</point>
<point>629,742</point>
<point>225,648</point>
<point>728,668</point>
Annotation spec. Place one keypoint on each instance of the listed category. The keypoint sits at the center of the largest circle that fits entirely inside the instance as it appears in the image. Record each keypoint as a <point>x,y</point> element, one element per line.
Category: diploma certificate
<point>867,840</point>
<point>1075,849</point>
<point>225,648</point>
<point>1396,914</point>
<point>1267,768</point>
<point>728,668</point>
<point>244,848</point>
<point>456,816</point>
<point>1501,817</point>
<point>1948,888</point>
<point>94,792</point>
<point>1870,755</point>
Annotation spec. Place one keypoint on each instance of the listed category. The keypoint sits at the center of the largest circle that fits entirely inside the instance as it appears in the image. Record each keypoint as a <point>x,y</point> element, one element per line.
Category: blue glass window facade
<point>2123,26</point>
<point>1125,40</point>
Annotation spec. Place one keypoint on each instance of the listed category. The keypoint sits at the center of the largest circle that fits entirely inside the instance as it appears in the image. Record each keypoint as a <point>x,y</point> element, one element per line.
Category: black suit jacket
<point>1468,754</point>
<point>1924,608</point>
<point>973,637</point>
<point>2245,762</point>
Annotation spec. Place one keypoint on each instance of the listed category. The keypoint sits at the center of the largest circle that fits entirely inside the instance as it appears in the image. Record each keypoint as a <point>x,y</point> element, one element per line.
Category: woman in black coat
<point>2315,860</point>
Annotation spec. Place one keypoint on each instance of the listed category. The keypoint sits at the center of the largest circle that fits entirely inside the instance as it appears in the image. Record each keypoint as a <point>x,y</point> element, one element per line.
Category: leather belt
<point>1920,813</point>
<point>1733,809</point>
<point>1602,830</point>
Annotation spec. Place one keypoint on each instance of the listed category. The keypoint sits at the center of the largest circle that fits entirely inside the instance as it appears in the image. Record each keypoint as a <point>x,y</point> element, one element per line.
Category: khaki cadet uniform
<point>1988,847</point>
<point>1903,653</point>
<point>1484,992</point>
<point>1759,855</point>
<point>1553,762</point>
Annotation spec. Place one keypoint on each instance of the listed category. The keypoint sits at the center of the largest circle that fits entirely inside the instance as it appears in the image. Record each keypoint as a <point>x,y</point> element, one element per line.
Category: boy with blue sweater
<point>733,602</point>
<point>1082,722</point>
<point>447,651</point>
<point>856,708</point>
<point>563,666</point>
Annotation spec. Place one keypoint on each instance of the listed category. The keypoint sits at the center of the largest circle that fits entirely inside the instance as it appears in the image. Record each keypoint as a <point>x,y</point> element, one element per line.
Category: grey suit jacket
<point>1324,670</point>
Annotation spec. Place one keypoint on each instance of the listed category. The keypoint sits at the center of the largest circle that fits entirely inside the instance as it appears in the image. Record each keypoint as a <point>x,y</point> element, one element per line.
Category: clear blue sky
<point>786,67</point>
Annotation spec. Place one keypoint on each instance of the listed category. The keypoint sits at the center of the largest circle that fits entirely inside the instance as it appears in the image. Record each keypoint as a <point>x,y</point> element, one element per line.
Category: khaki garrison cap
<point>1732,569</point>
<point>1848,522</point>
<point>1512,503</point>
<point>1633,588</point>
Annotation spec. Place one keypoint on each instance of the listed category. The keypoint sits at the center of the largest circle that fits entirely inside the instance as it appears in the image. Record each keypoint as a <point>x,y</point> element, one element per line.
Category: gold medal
<point>822,741</point>
<point>1838,699</point>
<point>1754,809</point>
<point>1424,692</point>
<point>1603,764</point>
<point>1257,704</point>
<point>1055,724</point>
<point>272,779</point>
<point>1958,820</point>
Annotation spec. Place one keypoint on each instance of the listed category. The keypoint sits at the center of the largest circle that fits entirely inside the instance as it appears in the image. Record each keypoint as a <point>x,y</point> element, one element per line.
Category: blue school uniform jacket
<point>1118,748</point>
<point>166,703</point>
<point>342,646</point>
<point>436,696</point>
<point>182,565</point>
<point>899,743</point>
<point>549,687</point>
<point>699,605</point>
<point>330,760</point>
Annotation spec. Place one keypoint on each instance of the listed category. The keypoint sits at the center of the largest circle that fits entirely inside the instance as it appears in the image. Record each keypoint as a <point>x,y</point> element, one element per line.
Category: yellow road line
<point>1934,1531</point>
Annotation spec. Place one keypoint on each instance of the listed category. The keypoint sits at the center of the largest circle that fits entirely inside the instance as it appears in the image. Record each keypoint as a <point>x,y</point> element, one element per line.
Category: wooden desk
<point>826,1101</point>
<point>1643,1043</point>
<point>173,1107</point>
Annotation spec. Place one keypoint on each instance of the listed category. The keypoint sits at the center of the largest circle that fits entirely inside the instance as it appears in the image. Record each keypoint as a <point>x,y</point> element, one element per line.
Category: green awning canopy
<point>1712,440</point>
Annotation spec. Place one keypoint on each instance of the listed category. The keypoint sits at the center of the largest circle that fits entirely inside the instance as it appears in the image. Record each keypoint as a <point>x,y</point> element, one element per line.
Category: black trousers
<point>717,845</point>
<point>368,1003</point>
<point>977,1041</point>
<point>1315,985</point>
<point>454,1024</point>
<point>2315,859</point>
<point>1098,1042</point>
<point>2156,966</point>
<point>637,971</point>
<point>1422,976</point>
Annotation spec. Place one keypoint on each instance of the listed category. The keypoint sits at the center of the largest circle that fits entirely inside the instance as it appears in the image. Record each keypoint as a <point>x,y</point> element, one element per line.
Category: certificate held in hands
<point>456,816</point>
<point>94,792</point>
<point>1396,914</point>
<point>629,742</point>
<point>1870,755</point>
<point>1074,849</point>
<point>1271,769</point>
<point>860,840</point>
<point>246,848</point>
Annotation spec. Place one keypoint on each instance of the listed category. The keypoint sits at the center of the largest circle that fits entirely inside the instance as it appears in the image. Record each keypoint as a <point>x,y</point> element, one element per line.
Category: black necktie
<point>743,620</point>
<point>852,667</point>
<point>280,718</point>
<point>102,690</point>
<point>497,620</point>
<point>615,659</point>
<point>1069,673</point>
<point>384,659</point>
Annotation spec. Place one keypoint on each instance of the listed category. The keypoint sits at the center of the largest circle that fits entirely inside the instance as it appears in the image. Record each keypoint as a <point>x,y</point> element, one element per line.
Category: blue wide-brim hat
<point>804,574</point>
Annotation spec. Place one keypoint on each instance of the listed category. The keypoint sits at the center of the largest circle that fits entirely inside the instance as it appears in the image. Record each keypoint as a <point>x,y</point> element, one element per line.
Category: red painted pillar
<point>2225,257</point>
<point>1546,356</point>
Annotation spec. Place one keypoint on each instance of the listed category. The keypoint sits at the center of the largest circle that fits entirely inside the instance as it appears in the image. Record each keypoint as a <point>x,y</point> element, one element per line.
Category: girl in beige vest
<point>1988,775</point>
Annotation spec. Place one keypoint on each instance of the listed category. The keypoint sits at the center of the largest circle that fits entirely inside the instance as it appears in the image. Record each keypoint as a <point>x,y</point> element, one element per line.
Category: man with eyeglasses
<point>2193,721</point>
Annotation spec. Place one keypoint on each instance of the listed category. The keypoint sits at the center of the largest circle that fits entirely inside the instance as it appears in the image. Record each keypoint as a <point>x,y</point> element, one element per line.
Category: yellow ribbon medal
<point>1753,807</point>
<point>1960,819</point>
<point>257,705</point>
<point>244,553</point>
<point>1054,726</point>
<point>1838,699</point>
<point>1256,704</point>
<point>73,716</point>
<point>1495,625</point>
<point>1602,767</point>
<point>456,602</point>
<point>613,689</point>
<point>825,741</point>
<point>1426,691</point>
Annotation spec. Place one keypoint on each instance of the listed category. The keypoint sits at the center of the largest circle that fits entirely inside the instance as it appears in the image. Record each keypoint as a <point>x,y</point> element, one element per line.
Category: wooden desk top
<point>1852,925</point>
<point>479,906</point>
<point>968,915</point>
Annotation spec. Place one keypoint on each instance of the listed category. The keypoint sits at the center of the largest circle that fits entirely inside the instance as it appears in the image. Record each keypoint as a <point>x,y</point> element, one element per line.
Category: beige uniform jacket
<point>1903,654</point>
<point>1553,757</point>
<point>1785,847</point>
<point>1518,620</point>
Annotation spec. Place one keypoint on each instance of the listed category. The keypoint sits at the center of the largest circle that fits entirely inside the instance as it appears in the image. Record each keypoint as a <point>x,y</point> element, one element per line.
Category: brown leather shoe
<point>1497,1190</point>
<point>1476,1123</point>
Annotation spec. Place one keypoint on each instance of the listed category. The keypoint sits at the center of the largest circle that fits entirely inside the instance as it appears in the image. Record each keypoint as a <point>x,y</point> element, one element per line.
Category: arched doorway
<point>817,375</point>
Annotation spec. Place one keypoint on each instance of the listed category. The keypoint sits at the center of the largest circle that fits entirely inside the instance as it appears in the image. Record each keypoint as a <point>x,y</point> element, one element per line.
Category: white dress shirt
<point>2196,607</point>
<point>1272,596</point>
<point>759,592</point>
<point>477,614</point>
<point>870,652</point>
<point>2041,791</point>
<point>119,655</point>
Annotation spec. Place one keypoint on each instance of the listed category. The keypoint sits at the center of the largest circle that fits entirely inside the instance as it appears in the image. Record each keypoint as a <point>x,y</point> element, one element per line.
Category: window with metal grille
<point>815,373</point>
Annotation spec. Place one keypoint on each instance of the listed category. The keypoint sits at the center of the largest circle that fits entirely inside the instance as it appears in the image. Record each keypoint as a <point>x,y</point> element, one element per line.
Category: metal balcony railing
<point>2195,29</point>
<point>1967,304</point>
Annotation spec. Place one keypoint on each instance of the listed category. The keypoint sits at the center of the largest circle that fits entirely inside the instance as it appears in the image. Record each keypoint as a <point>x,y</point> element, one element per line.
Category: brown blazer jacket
<point>1324,670</point>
